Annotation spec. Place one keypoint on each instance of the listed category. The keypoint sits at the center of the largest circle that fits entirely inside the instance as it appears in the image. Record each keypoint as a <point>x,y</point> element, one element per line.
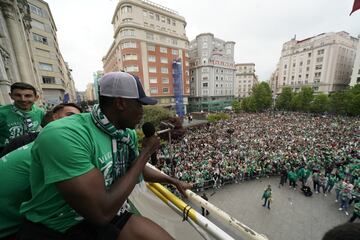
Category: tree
<point>217,117</point>
<point>156,114</point>
<point>261,97</point>
<point>236,106</point>
<point>306,95</point>
<point>320,104</point>
<point>283,101</point>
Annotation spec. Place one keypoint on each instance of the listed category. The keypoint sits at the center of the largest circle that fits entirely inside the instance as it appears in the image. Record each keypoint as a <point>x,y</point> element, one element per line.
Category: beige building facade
<point>323,62</point>
<point>355,77</point>
<point>147,39</point>
<point>30,52</point>
<point>15,52</point>
<point>89,92</point>
<point>53,73</point>
<point>245,79</point>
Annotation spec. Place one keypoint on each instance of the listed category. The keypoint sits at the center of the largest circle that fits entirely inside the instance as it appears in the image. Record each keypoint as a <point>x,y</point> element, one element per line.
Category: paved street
<point>292,216</point>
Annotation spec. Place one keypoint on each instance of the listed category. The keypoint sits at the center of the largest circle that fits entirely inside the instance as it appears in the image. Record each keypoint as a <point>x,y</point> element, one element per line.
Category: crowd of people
<point>306,150</point>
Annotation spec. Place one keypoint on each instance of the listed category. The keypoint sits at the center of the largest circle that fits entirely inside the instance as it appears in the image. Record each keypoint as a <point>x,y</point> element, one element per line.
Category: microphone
<point>149,130</point>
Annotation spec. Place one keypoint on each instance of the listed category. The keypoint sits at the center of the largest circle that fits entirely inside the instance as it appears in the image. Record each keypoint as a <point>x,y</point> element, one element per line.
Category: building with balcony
<point>212,73</point>
<point>245,79</point>
<point>147,39</point>
<point>16,63</point>
<point>355,77</point>
<point>323,62</point>
<point>53,73</point>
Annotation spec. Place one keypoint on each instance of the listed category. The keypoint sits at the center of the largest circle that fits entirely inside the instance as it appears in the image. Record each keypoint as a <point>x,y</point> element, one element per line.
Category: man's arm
<point>89,197</point>
<point>152,175</point>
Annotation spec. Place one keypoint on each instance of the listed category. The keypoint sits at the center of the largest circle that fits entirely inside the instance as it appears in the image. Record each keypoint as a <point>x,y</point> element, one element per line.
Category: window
<point>205,84</point>
<point>37,24</point>
<point>163,19</point>
<point>174,41</point>
<point>165,80</point>
<point>35,10</point>
<point>45,67</point>
<point>165,90</point>
<point>151,48</point>
<point>163,60</point>
<point>164,70</point>
<point>127,57</point>
<point>317,74</point>
<point>308,62</point>
<point>174,52</point>
<point>173,22</point>
<point>131,68</point>
<point>151,58</point>
<point>153,90</point>
<point>157,17</point>
<point>151,15</point>
<point>39,38</point>
<point>318,67</point>
<point>153,80</point>
<point>128,45</point>
<point>126,9</point>
<point>285,66</point>
<point>152,69</point>
<point>309,54</point>
<point>149,36</point>
<point>48,80</point>
<point>321,51</point>
<point>319,59</point>
<point>163,50</point>
<point>145,13</point>
<point>127,32</point>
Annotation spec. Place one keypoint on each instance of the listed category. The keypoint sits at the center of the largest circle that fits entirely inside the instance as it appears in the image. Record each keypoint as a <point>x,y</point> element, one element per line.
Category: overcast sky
<point>259,27</point>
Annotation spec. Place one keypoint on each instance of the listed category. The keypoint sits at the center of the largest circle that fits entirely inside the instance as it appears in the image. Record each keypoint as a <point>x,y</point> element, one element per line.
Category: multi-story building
<point>53,73</point>
<point>89,92</point>
<point>16,63</point>
<point>212,73</point>
<point>245,79</point>
<point>147,39</point>
<point>274,81</point>
<point>96,76</point>
<point>355,77</point>
<point>323,62</point>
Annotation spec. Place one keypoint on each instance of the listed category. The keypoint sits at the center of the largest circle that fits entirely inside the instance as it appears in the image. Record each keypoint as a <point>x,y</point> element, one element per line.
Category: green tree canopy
<point>236,106</point>
<point>320,104</point>
<point>214,117</point>
<point>261,97</point>
<point>283,101</point>
<point>156,114</point>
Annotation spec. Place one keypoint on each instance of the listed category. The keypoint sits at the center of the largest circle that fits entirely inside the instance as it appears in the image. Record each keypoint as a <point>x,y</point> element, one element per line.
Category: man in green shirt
<point>84,168</point>
<point>22,117</point>
<point>267,196</point>
<point>14,178</point>
<point>356,213</point>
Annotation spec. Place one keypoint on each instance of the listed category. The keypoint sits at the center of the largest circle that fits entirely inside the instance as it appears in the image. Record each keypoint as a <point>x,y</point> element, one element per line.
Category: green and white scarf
<point>28,125</point>
<point>124,149</point>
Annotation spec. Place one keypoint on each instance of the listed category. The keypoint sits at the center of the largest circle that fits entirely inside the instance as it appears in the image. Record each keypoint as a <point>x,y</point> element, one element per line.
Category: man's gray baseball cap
<point>124,85</point>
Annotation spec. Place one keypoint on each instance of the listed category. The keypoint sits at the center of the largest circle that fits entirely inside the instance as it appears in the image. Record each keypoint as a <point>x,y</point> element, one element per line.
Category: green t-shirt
<point>12,124</point>
<point>65,149</point>
<point>15,188</point>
